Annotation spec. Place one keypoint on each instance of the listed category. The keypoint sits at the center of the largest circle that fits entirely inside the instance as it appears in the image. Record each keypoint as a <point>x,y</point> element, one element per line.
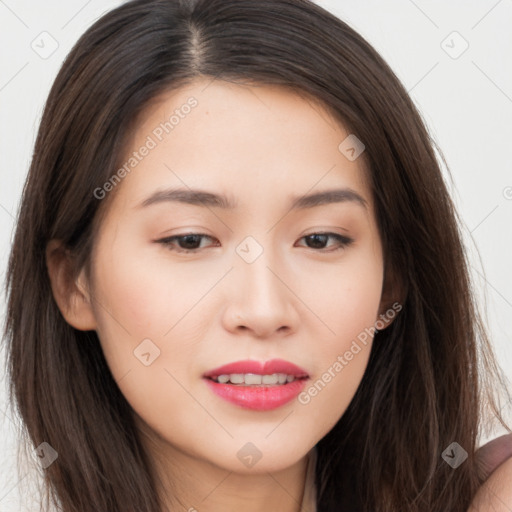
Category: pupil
<point>190,239</point>
<point>316,242</point>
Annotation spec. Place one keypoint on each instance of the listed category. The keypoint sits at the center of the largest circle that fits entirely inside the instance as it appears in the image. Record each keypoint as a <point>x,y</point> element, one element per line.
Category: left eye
<point>321,238</point>
<point>191,242</point>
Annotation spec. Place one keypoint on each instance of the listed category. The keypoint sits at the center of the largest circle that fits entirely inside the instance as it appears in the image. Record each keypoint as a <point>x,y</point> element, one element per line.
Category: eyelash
<point>167,242</point>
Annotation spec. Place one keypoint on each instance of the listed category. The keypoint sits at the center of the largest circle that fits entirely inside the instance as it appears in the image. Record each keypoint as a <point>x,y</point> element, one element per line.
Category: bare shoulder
<point>495,495</point>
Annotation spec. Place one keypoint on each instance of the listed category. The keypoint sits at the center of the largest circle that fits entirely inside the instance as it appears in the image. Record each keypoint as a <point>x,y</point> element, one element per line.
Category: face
<point>252,270</point>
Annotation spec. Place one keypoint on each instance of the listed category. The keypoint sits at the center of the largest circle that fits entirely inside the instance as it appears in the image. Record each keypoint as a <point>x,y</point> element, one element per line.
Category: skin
<point>306,304</point>
<point>496,493</point>
<point>493,454</point>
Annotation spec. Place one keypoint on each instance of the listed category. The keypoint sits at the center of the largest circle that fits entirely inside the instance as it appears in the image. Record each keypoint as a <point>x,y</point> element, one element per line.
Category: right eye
<point>186,243</point>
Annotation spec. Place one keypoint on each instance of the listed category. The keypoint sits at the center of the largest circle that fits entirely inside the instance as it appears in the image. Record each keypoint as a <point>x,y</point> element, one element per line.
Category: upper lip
<point>258,368</point>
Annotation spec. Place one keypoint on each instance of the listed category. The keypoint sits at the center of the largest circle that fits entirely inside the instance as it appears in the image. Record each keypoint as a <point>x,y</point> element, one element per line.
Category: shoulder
<point>495,495</point>
<point>492,454</point>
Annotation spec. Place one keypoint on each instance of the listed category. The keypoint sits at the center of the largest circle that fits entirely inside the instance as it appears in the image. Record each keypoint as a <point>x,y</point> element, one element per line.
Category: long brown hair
<point>429,373</point>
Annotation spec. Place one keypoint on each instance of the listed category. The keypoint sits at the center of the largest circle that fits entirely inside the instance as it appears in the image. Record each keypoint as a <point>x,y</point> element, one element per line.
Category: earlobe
<point>386,316</point>
<point>70,293</point>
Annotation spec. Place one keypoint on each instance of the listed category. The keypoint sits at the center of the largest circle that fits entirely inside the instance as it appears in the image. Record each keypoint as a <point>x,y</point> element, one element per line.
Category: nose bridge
<point>261,301</point>
<point>255,261</point>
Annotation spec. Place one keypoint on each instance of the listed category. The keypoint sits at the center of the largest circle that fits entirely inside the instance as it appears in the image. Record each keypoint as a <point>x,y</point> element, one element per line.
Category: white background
<point>466,103</point>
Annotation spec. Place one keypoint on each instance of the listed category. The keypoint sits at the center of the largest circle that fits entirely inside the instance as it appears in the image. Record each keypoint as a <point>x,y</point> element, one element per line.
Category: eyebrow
<point>209,199</point>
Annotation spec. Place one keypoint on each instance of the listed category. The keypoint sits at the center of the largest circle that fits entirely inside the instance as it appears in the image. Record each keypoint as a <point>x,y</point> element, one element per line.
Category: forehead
<point>241,140</point>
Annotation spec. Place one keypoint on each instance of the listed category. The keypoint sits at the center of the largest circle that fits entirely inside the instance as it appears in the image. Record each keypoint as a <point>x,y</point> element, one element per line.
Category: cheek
<point>144,310</point>
<point>146,295</point>
<point>142,297</point>
<point>346,297</point>
<point>349,306</point>
<point>340,360</point>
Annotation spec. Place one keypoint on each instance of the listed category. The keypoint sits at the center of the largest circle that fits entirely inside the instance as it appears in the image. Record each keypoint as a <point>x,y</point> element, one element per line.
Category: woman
<point>237,278</point>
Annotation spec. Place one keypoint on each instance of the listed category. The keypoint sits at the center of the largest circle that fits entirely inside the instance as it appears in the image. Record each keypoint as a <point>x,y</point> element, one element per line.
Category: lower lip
<point>258,398</point>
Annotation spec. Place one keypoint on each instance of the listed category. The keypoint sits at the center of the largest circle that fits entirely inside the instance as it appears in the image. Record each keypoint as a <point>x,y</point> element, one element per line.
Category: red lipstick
<point>256,385</point>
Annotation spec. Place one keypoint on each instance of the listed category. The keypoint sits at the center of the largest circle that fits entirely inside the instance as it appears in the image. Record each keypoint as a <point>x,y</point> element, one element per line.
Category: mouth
<point>255,385</point>
<point>253,379</point>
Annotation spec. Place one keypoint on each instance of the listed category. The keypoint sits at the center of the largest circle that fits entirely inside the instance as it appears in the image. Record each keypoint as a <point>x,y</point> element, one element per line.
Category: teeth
<point>270,379</point>
<point>250,379</point>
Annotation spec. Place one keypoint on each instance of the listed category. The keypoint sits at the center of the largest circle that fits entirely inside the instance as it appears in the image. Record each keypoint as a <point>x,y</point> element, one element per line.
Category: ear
<point>393,297</point>
<point>71,293</point>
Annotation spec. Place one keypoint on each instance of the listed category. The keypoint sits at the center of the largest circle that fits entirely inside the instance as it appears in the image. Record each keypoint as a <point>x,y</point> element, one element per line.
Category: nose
<point>260,300</point>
